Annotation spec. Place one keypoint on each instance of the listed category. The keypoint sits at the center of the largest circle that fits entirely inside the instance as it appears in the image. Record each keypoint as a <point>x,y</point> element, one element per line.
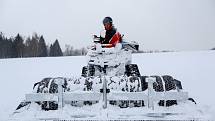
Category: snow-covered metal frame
<point>149,97</point>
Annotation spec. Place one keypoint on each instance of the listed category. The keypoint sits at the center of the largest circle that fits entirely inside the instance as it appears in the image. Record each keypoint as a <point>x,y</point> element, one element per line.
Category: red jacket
<point>111,37</point>
<point>115,39</point>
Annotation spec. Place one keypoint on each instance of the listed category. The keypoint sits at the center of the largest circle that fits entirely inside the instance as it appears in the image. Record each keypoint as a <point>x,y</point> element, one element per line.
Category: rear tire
<point>49,105</point>
<point>88,71</point>
<point>132,70</point>
<point>166,83</point>
<point>170,84</point>
<point>144,84</point>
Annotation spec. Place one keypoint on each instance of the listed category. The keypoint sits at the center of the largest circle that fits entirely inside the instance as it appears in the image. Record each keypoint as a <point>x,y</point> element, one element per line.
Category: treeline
<point>34,46</point>
<point>70,51</point>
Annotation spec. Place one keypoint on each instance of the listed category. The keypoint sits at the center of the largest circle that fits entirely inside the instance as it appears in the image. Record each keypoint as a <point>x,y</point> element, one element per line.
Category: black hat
<point>107,20</point>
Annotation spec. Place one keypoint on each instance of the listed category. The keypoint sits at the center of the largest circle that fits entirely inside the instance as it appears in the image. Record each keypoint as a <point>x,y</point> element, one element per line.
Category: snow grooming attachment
<point>109,77</point>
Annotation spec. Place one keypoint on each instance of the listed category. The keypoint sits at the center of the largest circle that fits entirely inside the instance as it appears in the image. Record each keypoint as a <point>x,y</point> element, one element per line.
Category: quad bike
<point>114,66</point>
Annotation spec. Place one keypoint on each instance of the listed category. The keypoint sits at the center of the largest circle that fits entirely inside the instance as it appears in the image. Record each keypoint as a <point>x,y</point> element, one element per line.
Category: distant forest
<point>34,46</point>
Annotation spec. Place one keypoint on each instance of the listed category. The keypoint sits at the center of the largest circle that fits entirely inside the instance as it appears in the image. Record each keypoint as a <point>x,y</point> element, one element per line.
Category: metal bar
<point>127,96</point>
<point>34,97</point>
<point>82,96</point>
<point>151,92</point>
<point>105,93</point>
<point>60,94</point>
<point>170,96</point>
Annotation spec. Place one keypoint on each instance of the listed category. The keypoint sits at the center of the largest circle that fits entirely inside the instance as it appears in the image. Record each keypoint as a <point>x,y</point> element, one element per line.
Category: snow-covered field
<point>194,69</point>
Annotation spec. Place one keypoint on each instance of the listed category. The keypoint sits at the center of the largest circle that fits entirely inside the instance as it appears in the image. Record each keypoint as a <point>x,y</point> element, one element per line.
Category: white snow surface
<point>195,69</point>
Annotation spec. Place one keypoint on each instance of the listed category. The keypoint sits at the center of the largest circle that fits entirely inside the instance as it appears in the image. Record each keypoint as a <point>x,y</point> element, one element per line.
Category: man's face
<point>107,26</point>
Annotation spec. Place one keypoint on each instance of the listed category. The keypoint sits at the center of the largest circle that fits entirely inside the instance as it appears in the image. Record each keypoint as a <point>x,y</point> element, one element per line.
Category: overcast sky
<point>155,24</point>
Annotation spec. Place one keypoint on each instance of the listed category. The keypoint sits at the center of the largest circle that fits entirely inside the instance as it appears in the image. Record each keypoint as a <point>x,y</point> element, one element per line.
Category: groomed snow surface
<point>194,69</point>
